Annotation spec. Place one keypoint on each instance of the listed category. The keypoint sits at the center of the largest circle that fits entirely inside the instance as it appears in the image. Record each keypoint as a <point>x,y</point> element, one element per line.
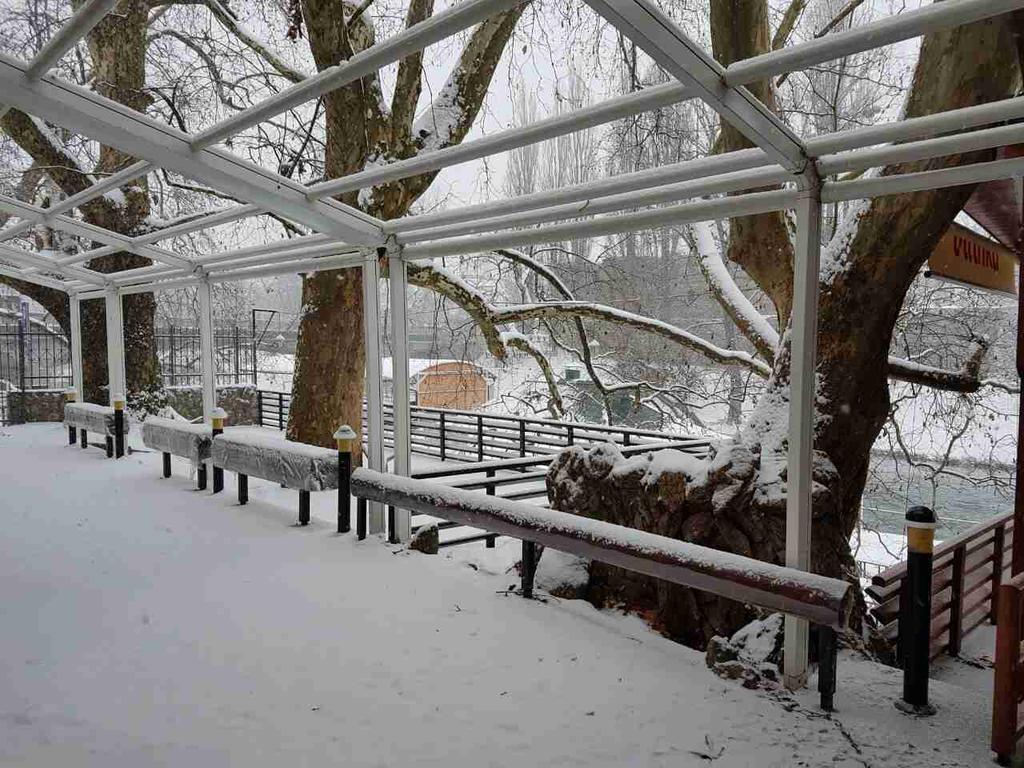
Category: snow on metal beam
<point>655,97</point>
<point>115,125</point>
<point>892,29</point>
<point>18,274</point>
<point>410,40</point>
<point>117,242</point>
<point>677,54</point>
<point>30,259</point>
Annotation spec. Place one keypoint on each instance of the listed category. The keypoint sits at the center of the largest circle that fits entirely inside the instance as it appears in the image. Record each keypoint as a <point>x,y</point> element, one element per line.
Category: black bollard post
<point>361,519</point>
<point>218,416</point>
<point>827,651</point>
<point>118,426</point>
<point>110,447</point>
<point>916,612</point>
<point>344,438</point>
<point>71,396</point>
<point>303,507</point>
<point>167,464</point>
<point>528,567</point>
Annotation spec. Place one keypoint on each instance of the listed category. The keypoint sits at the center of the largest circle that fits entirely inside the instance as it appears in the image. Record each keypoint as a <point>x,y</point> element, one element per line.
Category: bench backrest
<point>177,437</point>
<point>297,466</point>
<point>92,418</point>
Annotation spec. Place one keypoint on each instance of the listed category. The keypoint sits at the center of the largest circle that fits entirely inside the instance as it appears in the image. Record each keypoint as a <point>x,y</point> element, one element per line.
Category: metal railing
<point>966,575</point>
<point>477,437</point>
<point>819,599</point>
<point>1008,690</point>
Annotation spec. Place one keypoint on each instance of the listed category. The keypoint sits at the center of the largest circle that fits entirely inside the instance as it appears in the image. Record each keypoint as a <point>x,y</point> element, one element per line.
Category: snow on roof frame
<point>701,77</point>
<point>366,239</point>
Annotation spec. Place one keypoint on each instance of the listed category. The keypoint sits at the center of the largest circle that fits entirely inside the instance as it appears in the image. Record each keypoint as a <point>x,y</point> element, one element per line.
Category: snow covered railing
<point>301,467</point>
<point>179,438</point>
<point>90,417</point>
<point>820,599</point>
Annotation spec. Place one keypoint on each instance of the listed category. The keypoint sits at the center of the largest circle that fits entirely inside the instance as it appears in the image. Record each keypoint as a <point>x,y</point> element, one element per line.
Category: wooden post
<point>303,507</point>
<point>479,438</point>
<point>1018,495</point>
<point>956,601</point>
<point>528,567</point>
<point>1007,676</point>
<point>167,464</point>
<point>243,489</point>
<point>999,545</point>
<point>70,396</point>
<point>443,455</point>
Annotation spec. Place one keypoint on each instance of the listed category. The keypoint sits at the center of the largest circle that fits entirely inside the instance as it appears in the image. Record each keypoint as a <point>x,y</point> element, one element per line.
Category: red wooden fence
<point>1009,673</point>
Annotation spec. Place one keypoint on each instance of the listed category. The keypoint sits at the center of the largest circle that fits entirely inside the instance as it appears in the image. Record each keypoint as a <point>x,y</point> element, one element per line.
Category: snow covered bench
<point>89,417</point>
<point>180,438</point>
<point>301,467</point>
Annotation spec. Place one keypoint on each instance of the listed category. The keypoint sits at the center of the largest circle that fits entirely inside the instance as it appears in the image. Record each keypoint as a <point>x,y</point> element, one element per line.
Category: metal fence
<point>31,359</point>
<point>178,350</point>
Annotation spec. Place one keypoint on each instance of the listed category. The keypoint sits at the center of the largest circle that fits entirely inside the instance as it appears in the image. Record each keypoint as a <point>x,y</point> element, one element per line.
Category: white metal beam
<point>802,378</point>
<point>116,125</point>
<point>75,311</point>
<point>19,274</point>
<point>374,385</point>
<point>662,39</point>
<point>655,97</point>
<point>36,261</point>
<point>705,210</point>
<point>367,62</point>
<point>207,359</point>
<point>115,345</point>
<point>744,159</point>
<point>400,381</point>
<point>863,37</point>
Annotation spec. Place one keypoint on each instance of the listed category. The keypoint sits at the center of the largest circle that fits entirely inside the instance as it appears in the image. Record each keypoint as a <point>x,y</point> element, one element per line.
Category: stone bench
<point>179,438</point>
<point>90,417</point>
<point>301,467</point>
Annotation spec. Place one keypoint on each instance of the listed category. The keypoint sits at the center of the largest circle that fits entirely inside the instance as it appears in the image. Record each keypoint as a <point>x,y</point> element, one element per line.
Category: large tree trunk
<point>737,501</point>
<point>330,354</point>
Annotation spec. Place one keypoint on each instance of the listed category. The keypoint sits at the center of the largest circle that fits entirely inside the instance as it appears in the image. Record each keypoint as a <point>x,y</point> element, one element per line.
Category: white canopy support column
<point>115,345</point>
<point>75,313</point>
<point>401,521</point>
<point>803,342</point>
<point>374,385</point>
<point>206,350</point>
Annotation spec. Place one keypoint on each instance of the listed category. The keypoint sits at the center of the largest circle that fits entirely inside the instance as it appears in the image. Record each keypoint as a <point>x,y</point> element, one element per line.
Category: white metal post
<point>400,381</point>
<point>77,379</point>
<point>374,387</point>
<point>115,345</point>
<point>803,342</point>
<point>206,350</point>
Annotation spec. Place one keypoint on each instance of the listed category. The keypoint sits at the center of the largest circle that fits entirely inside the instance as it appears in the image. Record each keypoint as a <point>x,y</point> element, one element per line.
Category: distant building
<point>457,384</point>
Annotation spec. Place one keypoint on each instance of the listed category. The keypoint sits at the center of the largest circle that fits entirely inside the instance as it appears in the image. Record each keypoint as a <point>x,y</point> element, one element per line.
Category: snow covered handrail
<point>819,599</point>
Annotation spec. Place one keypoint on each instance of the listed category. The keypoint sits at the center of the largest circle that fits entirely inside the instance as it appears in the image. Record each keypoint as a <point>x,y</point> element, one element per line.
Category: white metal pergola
<point>346,237</point>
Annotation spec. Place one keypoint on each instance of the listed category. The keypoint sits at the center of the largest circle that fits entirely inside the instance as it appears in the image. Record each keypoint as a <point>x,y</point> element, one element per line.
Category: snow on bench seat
<point>92,418</point>
<point>177,437</point>
<point>298,466</point>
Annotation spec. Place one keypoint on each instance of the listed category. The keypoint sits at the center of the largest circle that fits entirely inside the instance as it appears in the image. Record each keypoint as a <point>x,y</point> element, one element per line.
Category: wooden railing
<point>819,599</point>
<point>1009,673</point>
<point>477,436</point>
<point>967,573</point>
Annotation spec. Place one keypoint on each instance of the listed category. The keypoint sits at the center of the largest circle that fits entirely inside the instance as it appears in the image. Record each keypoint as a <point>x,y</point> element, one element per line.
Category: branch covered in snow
<point>964,381</point>
<point>751,323</point>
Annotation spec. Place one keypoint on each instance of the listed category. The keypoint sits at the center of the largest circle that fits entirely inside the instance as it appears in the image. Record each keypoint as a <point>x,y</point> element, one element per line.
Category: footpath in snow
<point>145,623</point>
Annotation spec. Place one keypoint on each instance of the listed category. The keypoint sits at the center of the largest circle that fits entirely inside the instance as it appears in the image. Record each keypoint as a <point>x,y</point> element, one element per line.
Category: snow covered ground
<point>145,623</point>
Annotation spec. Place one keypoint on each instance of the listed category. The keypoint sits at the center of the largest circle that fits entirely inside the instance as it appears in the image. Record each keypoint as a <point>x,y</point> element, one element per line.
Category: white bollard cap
<point>218,413</point>
<point>345,432</point>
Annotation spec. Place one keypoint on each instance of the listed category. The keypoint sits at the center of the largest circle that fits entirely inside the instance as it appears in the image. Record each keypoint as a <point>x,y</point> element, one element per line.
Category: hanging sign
<point>966,257</point>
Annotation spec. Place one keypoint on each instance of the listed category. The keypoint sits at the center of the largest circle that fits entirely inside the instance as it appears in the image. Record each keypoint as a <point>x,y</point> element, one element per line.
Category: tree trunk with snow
<point>739,503</point>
